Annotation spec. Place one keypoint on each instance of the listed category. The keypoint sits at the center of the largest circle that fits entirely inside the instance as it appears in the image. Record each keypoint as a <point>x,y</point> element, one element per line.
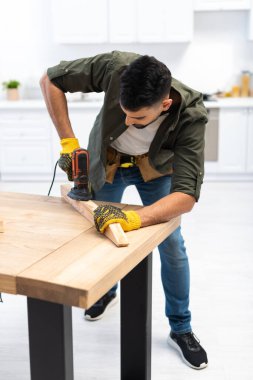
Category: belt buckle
<point>129,164</point>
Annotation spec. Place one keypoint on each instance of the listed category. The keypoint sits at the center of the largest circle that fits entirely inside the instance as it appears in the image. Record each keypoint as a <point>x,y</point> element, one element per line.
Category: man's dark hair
<point>144,82</point>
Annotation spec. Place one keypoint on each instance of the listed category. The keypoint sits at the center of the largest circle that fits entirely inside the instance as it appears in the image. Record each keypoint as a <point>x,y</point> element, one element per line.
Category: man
<point>149,133</point>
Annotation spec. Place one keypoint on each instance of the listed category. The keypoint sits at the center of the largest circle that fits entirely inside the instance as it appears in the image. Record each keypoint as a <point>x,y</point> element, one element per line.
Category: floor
<point>219,238</point>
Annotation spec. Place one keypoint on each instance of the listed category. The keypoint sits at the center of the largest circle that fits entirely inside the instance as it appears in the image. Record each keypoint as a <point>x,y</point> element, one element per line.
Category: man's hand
<point>65,160</point>
<point>107,214</point>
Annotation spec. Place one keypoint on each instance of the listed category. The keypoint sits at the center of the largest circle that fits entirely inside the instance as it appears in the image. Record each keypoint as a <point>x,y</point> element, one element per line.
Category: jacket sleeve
<point>188,171</point>
<point>82,75</point>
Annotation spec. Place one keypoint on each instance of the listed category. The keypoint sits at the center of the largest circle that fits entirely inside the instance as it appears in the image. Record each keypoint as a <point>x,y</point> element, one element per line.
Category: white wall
<point>213,60</point>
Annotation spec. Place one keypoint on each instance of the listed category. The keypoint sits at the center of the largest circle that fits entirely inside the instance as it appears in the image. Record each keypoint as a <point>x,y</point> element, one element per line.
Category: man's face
<point>146,115</point>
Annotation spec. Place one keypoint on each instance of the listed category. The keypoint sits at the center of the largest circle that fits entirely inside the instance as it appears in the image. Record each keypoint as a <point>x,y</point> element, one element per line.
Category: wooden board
<point>83,270</point>
<point>34,227</point>
<point>49,251</point>
<point>1,225</point>
<point>114,231</point>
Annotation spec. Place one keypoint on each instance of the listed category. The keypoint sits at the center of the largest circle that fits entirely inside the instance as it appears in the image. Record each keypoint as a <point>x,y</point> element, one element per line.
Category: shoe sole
<point>173,344</point>
<point>112,303</point>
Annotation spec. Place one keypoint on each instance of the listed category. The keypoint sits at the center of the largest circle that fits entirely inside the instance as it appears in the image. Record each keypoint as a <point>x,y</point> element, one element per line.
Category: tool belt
<point>117,160</point>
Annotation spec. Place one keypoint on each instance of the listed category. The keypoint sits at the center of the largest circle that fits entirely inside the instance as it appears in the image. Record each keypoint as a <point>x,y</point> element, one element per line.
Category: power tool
<point>80,171</point>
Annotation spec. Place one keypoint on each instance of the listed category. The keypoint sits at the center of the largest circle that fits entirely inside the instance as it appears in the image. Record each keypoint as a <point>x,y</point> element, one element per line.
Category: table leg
<point>136,310</point>
<point>50,340</point>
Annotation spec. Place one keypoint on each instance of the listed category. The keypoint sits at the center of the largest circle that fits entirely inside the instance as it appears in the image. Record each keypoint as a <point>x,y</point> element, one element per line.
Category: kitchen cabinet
<point>251,21</point>
<point>122,22</point>
<point>233,129</point>
<point>25,146</point>
<point>235,143</point>
<point>116,21</point>
<point>164,22</point>
<point>221,5</point>
<point>80,21</point>
<point>233,158</point>
<point>249,162</point>
<point>29,144</point>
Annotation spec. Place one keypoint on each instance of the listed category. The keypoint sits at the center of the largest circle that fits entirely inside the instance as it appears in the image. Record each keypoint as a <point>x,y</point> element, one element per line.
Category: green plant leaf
<point>11,84</point>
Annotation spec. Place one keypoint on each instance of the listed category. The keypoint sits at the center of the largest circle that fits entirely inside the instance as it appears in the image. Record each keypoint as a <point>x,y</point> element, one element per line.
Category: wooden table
<point>52,255</point>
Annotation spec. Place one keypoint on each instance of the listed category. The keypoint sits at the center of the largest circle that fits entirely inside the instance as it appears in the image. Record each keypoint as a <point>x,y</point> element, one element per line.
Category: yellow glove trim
<point>132,222</point>
<point>69,145</point>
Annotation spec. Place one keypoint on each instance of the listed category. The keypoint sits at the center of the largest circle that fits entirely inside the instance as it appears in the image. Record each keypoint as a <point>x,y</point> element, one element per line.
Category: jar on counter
<point>245,83</point>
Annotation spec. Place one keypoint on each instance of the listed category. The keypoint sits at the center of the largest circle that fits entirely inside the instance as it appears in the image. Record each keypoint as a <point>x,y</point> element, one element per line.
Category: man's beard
<point>139,126</point>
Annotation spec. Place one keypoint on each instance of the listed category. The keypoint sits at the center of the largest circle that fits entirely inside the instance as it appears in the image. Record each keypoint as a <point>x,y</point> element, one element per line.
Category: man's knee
<point>173,247</point>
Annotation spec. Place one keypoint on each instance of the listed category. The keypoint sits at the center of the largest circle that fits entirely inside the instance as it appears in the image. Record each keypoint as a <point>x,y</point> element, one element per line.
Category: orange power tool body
<point>80,171</point>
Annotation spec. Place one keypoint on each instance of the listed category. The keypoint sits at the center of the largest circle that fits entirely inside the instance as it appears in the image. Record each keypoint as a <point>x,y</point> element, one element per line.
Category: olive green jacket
<point>179,141</point>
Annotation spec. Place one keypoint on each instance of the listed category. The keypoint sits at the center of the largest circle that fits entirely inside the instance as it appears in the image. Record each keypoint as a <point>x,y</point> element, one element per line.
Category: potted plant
<point>11,87</point>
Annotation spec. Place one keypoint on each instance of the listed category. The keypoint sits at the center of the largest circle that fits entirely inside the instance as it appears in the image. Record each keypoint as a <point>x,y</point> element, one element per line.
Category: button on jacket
<point>179,141</point>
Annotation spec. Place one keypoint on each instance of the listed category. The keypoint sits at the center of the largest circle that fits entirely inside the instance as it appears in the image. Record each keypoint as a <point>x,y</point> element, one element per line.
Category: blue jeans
<point>175,272</point>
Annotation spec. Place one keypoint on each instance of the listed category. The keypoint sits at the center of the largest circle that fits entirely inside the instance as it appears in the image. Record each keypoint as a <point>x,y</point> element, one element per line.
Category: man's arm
<point>169,207</point>
<point>161,211</point>
<point>56,103</point>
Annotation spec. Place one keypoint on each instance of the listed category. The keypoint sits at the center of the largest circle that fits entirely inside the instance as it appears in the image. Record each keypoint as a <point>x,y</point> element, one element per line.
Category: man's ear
<point>166,103</point>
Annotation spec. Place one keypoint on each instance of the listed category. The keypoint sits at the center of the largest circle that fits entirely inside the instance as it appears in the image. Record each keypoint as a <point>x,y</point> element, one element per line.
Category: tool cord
<point>49,191</point>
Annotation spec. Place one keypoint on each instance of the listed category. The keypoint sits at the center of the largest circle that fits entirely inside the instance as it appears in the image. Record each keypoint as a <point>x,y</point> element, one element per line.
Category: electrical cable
<point>53,178</point>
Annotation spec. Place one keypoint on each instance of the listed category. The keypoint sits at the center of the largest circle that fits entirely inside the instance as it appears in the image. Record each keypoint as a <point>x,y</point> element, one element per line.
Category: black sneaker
<point>193,354</point>
<point>98,310</point>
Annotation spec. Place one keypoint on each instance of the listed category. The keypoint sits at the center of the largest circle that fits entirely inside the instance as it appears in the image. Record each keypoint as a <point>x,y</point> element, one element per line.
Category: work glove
<point>65,160</point>
<point>107,214</point>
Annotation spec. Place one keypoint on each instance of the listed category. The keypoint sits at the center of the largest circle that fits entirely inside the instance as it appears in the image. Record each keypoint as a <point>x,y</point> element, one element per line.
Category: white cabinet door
<point>162,21</point>
<point>96,21</point>
<point>122,21</point>
<point>251,21</point>
<point>232,140</point>
<point>25,145</point>
<point>80,21</point>
<point>218,5</point>
<point>19,159</point>
<point>249,167</point>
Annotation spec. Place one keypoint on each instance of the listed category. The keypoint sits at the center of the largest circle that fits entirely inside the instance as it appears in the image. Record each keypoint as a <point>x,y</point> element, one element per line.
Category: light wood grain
<point>114,232</point>
<point>50,252</point>
<point>34,227</point>
<point>83,270</point>
<point>1,225</point>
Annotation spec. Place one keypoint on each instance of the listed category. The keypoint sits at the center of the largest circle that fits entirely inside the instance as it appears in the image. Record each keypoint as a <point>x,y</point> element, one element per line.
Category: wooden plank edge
<point>114,232</point>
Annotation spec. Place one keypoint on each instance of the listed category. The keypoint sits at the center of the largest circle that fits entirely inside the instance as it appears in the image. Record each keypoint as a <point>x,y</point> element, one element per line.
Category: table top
<point>51,252</point>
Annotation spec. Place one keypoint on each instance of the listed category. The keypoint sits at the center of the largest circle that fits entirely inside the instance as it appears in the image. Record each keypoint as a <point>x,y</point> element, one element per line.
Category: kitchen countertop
<point>230,103</point>
<point>96,104</point>
<point>40,104</point>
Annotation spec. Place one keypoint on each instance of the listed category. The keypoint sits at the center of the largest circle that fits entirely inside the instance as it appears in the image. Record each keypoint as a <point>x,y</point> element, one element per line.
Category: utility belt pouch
<point>112,164</point>
<point>147,171</point>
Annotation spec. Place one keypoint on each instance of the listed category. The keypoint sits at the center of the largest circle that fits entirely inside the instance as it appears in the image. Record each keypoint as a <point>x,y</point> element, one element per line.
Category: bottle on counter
<point>236,91</point>
<point>251,85</point>
<point>245,83</point>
